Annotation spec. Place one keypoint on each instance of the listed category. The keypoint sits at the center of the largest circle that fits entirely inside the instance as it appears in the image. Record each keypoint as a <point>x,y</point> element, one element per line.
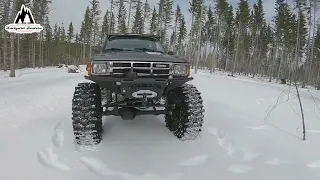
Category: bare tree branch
<point>302,114</point>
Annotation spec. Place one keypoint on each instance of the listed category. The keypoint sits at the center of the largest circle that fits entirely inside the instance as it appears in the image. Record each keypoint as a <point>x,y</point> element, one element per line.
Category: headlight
<point>180,69</point>
<point>99,68</point>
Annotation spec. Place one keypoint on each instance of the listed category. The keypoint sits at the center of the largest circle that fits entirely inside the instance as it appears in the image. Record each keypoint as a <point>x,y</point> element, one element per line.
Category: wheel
<point>87,114</point>
<point>185,119</point>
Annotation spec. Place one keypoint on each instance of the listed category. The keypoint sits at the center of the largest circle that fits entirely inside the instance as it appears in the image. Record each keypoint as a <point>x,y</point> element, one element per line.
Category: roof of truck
<point>152,36</point>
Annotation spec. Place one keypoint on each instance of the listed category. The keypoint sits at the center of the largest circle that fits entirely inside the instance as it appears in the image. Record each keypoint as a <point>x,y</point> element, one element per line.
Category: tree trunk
<point>68,59</point>
<point>5,52</point>
<point>237,51</point>
<point>256,52</point>
<point>280,63</point>
<point>251,57</point>
<point>33,51</point>
<point>199,41</point>
<point>307,69</point>
<point>205,51</point>
<point>191,38</point>
<point>18,52</point>
<point>12,61</point>
<point>40,50</point>
<point>272,66</point>
<point>110,20</point>
<point>129,15</point>
<point>227,54</point>
<point>90,47</point>
<point>1,63</point>
<point>313,35</point>
<point>302,114</point>
<point>47,54</point>
<point>297,48</point>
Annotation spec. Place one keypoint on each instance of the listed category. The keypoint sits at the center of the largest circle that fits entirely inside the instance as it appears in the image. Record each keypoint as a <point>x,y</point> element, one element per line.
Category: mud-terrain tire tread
<point>191,121</point>
<point>87,114</point>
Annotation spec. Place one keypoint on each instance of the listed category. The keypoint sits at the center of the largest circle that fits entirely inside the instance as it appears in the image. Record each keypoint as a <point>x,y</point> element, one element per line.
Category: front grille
<point>141,68</point>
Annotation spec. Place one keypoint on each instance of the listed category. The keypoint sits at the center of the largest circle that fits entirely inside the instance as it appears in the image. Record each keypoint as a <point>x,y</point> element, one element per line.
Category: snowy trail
<point>37,140</point>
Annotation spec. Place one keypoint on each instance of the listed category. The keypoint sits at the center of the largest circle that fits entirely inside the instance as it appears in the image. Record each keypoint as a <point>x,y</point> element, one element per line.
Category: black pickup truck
<point>133,75</point>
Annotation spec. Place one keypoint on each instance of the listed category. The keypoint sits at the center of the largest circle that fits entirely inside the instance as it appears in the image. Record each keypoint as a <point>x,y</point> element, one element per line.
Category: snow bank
<point>73,69</point>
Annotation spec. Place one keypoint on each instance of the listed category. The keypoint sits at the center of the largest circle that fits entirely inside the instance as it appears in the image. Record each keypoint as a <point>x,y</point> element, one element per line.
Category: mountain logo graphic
<point>24,23</point>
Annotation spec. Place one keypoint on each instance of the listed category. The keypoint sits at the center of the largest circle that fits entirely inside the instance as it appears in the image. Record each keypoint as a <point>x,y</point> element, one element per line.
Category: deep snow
<point>237,142</point>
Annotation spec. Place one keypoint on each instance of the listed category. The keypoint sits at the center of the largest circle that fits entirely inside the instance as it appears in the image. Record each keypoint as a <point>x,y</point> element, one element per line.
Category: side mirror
<point>170,53</point>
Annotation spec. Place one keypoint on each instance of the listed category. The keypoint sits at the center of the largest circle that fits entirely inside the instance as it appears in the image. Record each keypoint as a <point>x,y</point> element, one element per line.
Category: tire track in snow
<point>195,161</point>
<point>222,141</point>
<point>249,155</point>
<point>258,127</point>
<point>315,164</point>
<point>99,168</point>
<point>276,162</point>
<point>58,136</point>
<point>240,168</point>
<point>49,159</point>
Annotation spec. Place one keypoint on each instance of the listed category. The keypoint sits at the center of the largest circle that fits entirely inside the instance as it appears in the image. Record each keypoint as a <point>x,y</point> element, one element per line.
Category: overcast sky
<point>65,11</point>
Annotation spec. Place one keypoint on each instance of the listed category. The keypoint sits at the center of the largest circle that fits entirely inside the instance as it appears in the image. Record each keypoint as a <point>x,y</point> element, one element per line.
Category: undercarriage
<point>128,109</point>
<point>181,106</point>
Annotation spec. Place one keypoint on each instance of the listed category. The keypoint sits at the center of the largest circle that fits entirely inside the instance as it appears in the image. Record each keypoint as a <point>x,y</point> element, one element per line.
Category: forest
<point>221,37</point>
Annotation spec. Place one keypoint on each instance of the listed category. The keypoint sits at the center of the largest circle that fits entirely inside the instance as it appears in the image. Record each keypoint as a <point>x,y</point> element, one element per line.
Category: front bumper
<point>132,88</point>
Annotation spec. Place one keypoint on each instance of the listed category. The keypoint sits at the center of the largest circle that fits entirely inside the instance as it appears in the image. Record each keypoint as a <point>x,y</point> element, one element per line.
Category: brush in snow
<point>131,76</point>
<point>73,69</point>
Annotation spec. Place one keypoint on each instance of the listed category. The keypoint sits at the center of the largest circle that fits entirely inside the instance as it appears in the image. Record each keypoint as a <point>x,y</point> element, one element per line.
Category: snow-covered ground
<point>240,139</point>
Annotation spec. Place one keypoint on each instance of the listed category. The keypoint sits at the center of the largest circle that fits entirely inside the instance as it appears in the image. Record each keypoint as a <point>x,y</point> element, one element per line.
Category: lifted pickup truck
<point>133,75</point>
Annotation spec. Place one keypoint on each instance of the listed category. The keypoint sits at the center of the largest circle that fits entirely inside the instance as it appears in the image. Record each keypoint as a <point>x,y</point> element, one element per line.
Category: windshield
<point>145,44</point>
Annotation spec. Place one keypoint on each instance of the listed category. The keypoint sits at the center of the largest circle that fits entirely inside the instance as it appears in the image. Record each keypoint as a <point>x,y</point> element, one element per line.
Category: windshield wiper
<point>146,49</point>
<point>117,49</point>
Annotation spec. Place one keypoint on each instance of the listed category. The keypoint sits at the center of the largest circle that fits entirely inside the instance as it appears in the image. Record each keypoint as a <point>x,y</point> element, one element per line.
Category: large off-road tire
<point>87,114</point>
<point>185,120</point>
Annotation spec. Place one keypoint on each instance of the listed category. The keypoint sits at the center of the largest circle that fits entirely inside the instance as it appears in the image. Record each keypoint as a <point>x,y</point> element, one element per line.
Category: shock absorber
<point>106,95</point>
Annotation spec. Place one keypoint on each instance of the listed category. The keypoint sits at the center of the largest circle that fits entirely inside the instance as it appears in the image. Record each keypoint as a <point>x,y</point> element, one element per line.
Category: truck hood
<point>137,56</point>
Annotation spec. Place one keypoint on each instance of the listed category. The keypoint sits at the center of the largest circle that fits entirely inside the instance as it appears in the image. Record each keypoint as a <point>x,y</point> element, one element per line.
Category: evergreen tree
<point>153,21</point>
<point>167,20</point>
<point>70,36</point>
<point>77,39</point>
<point>160,17</point>
<point>132,6</point>
<point>122,28</point>
<point>182,34</point>
<point>177,20</point>
<point>104,27</point>
<point>63,36</point>
<point>146,14</point>
<point>256,27</point>
<point>48,39</point>
<point>112,23</point>
<point>317,52</point>
<point>56,35</point>
<point>87,26</point>
<point>138,19</point>
<point>95,13</point>
<point>243,40</point>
